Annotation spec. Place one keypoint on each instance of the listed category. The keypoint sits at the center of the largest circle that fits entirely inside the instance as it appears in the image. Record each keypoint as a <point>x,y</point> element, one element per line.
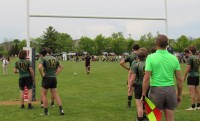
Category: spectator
<point>5,66</point>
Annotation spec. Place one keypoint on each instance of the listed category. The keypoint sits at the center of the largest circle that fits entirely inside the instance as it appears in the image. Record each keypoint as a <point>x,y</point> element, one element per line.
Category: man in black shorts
<point>49,68</point>
<point>137,71</point>
<point>192,68</point>
<point>131,58</point>
<point>87,63</point>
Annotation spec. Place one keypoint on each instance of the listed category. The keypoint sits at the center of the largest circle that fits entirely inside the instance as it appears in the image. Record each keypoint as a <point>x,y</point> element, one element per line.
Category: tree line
<point>117,43</point>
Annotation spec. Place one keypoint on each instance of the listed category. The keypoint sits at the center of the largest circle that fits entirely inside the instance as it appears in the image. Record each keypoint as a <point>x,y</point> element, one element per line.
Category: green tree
<point>109,44</point>
<point>130,43</point>
<point>22,44</point>
<point>117,35</point>
<point>15,48</point>
<point>65,42</point>
<point>2,51</point>
<point>150,42</point>
<point>88,45</point>
<point>196,42</point>
<point>100,42</point>
<point>49,39</point>
<point>37,43</point>
<point>147,41</point>
<point>142,40</point>
<point>182,42</point>
<point>119,45</point>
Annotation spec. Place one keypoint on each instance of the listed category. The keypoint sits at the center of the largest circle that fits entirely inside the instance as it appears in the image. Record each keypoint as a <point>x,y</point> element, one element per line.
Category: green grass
<point>99,96</point>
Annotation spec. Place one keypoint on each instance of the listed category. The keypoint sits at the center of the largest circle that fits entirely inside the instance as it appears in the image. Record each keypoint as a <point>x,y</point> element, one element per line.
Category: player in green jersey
<point>192,71</point>
<point>123,62</point>
<point>52,98</point>
<point>49,68</point>
<point>137,75</point>
<point>26,77</point>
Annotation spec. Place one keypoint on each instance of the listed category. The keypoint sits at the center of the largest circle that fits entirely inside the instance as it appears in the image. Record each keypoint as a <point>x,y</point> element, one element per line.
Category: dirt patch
<point>16,102</point>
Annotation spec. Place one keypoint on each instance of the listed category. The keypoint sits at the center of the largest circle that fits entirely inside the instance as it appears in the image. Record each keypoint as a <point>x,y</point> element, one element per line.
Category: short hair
<point>162,41</point>
<point>193,49</point>
<point>22,54</point>
<point>186,50</point>
<point>136,47</point>
<point>153,50</point>
<point>49,51</point>
<point>142,55</point>
<point>45,50</point>
<point>144,50</point>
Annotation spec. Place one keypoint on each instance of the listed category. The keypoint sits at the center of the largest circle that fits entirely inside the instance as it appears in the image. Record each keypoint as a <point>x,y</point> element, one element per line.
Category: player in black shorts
<point>49,68</point>
<point>87,63</point>
<point>192,71</point>
<point>137,75</point>
<point>131,59</point>
<point>26,77</point>
<point>52,98</point>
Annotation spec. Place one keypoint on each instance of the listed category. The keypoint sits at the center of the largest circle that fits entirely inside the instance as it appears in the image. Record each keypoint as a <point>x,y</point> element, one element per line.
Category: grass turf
<point>99,96</point>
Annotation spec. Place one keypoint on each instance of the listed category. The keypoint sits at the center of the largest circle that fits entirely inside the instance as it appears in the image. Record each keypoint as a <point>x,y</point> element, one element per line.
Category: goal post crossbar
<point>92,17</point>
<point>95,17</point>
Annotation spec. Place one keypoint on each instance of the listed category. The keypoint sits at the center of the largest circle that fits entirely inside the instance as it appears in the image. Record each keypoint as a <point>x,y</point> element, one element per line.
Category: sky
<point>183,18</point>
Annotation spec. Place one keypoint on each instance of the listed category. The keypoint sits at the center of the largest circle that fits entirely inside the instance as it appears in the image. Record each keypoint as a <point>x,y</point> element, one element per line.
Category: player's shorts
<point>163,97</point>
<point>193,80</point>
<point>138,91</point>
<point>87,64</point>
<point>25,81</point>
<point>49,82</point>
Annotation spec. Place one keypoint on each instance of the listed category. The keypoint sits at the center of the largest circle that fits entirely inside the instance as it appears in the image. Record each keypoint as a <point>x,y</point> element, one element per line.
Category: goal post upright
<point>166,18</point>
<point>28,25</point>
<point>30,51</point>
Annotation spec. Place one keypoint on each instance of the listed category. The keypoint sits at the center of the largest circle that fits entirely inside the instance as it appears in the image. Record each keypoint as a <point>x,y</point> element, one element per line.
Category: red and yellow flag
<point>153,113</point>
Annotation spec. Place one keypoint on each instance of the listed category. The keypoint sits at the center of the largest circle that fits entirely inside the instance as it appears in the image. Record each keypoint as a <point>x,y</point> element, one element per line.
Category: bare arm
<point>186,72</point>
<point>60,68</point>
<point>129,75</point>
<point>123,64</point>
<point>15,70</point>
<point>40,67</point>
<point>179,85</point>
<point>146,82</point>
<point>132,80</point>
<point>32,72</point>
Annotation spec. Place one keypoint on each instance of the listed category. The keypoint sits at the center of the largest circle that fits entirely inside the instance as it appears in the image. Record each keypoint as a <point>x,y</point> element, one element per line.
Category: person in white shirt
<point>5,66</point>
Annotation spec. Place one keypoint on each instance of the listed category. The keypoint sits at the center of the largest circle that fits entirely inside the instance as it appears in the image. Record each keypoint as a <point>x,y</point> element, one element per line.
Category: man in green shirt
<point>49,68</point>
<point>192,68</point>
<point>159,74</point>
<point>123,62</point>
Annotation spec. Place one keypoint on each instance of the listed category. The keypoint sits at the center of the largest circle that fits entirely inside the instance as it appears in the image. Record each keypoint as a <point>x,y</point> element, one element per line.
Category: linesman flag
<point>153,113</point>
